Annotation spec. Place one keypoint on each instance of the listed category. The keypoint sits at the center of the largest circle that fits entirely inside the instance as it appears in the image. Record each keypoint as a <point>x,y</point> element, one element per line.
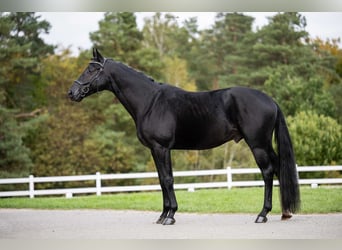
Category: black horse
<point>169,118</point>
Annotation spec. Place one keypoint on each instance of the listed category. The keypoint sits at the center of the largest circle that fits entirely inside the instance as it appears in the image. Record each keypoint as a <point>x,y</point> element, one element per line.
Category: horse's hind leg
<point>266,160</point>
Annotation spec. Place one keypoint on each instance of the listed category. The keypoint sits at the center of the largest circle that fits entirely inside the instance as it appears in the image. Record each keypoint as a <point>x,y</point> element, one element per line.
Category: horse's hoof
<point>160,220</point>
<point>169,221</point>
<point>261,219</point>
<point>286,216</point>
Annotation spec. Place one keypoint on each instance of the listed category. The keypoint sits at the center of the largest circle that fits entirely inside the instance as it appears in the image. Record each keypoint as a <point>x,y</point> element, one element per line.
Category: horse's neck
<point>135,94</point>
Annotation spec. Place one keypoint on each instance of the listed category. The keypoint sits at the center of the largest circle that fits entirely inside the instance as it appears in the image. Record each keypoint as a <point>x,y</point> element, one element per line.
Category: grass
<point>236,200</point>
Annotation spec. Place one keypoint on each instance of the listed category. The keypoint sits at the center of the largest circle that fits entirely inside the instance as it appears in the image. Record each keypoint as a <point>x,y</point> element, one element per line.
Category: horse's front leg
<point>162,159</point>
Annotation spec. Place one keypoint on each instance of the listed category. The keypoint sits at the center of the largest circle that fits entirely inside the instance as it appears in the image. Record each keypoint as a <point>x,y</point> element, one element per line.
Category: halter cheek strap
<point>86,89</point>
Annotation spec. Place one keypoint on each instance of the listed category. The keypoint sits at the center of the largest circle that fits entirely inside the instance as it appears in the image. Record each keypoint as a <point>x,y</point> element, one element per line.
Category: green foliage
<point>226,47</point>
<point>107,152</point>
<point>112,139</point>
<point>21,88</point>
<point>336,93</point>
<point>58,148</point>
<point>119,38</point>
<point>111,38</point>
<point>147,60</point>
<point>293,93</point>
<point>280,40</point>
<point>176,73</point>
<point>14,155</point>
<point>21,52</point>
<point>159,33</point>
<point>231,41</point>
<point>317,139</point>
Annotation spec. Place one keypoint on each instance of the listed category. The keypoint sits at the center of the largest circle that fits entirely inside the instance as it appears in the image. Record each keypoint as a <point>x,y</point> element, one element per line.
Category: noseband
<point>86,85</point>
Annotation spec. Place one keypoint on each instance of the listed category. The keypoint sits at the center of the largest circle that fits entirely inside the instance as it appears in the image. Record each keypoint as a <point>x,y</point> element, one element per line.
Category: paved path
<point>109,224</point>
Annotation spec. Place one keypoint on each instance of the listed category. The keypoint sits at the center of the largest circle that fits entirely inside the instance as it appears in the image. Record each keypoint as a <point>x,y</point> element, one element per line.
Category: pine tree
<point>226,46</point>
<point>288,67</point>
<point>119,38</point>
<point>21,52</point>
<point>14,155</point>
<point>282,44</point>
<point>21,88</point>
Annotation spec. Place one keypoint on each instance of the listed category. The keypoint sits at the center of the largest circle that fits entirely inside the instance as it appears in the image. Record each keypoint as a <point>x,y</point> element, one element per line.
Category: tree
<point>59,146</point>
<point>176,73</point>
<point>290,68</point>
<point>119,38</point>
<point>113,137</point>
<point>52,140</point>
<point>281,43</point>
<point>21,52</point>
<point>317,139</point>
<point>21,87</point>
<point>294,93</point>
<point>226,49</point>
<point>327,48</point>
<point>14,155</point>
<point>234,36</point>
<point>118,35</point>
<point>158,31</point>
<point>333,76</point>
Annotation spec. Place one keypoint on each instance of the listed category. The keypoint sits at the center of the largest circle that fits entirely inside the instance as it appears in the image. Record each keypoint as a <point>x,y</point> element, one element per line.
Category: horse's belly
<point>204,135</point>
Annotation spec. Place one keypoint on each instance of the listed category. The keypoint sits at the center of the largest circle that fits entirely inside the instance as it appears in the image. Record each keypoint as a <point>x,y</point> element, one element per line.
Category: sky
<point>71,29</point>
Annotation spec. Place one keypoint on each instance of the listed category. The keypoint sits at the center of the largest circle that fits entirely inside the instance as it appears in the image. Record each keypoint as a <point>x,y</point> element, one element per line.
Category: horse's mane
<point>137,73</point>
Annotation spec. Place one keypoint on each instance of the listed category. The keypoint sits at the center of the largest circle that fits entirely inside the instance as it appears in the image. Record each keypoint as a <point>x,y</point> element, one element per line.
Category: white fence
<point>99,189</point>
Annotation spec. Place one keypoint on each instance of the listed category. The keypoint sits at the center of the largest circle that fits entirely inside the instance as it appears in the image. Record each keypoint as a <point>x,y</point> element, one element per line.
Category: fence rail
<point>99,189</point>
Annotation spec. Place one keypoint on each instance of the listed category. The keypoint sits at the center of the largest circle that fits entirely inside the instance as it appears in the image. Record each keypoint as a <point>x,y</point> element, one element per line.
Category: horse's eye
<point>92,68</point>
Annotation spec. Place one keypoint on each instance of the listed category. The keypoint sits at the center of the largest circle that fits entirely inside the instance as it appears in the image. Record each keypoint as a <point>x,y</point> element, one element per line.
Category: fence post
<point>98,183</point>
<point>229,177</point>
<point>31,186</point>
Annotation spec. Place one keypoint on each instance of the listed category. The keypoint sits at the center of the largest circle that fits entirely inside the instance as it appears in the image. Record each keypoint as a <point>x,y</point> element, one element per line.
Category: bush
<point>317,139</point>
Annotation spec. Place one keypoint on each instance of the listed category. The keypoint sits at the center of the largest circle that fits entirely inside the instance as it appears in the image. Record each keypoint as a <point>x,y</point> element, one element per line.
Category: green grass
<point>236,200</point>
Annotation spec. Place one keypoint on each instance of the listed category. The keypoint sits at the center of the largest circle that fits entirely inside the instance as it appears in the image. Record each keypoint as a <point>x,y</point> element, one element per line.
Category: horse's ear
<point>98,56</point>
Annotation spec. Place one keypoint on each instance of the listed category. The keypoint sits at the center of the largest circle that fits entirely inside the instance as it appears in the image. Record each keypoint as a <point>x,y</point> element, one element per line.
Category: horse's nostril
<point>70,94</point>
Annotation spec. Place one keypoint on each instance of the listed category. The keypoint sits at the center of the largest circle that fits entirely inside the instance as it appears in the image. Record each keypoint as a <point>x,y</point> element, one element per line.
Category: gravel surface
<point>110,224</point>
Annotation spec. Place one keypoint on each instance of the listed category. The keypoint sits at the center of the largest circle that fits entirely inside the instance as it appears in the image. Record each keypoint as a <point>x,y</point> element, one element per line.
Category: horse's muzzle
<point>74,97</point>
<point>78,91</point>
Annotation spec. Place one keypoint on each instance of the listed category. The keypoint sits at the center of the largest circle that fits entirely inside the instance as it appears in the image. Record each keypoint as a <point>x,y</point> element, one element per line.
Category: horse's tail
<point>288,176</point>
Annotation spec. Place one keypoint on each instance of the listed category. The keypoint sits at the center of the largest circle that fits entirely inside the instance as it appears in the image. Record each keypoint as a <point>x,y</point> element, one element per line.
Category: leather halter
<point>86,85</point>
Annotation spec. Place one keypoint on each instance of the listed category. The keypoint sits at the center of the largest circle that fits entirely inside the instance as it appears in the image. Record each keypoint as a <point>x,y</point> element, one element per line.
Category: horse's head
<point>92,80</point>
